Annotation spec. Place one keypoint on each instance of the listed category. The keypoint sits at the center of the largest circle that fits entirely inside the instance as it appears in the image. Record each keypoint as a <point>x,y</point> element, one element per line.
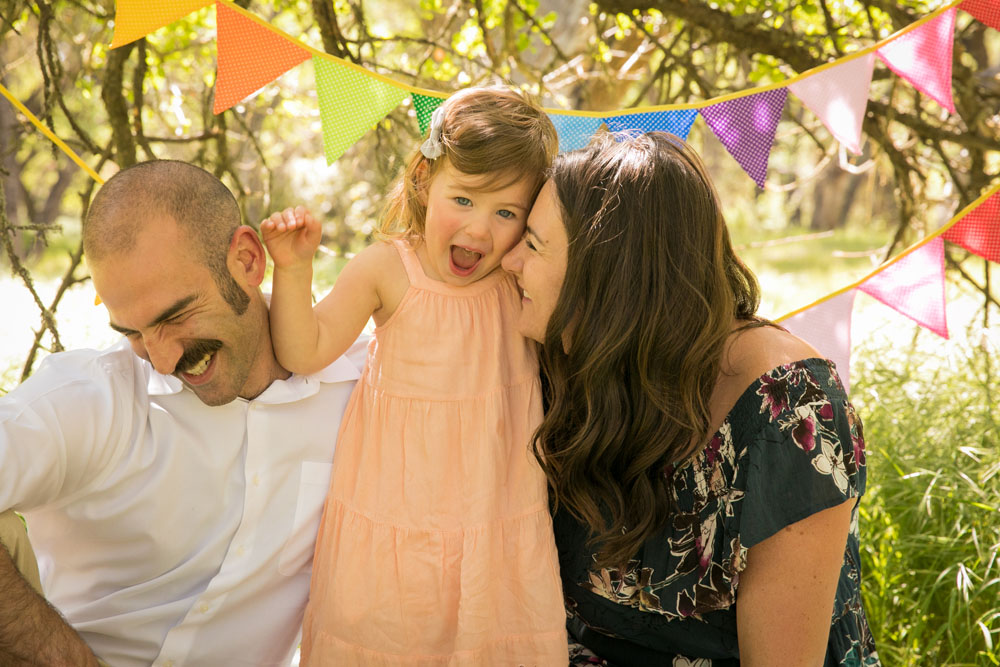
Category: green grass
<point>931,517</point>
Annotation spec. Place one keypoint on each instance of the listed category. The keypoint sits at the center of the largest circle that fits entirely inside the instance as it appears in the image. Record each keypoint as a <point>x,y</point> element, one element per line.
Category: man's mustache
<point>194,354</point>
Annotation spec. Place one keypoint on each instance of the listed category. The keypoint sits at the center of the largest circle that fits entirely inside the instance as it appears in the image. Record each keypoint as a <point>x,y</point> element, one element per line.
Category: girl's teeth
<point>201,366</point>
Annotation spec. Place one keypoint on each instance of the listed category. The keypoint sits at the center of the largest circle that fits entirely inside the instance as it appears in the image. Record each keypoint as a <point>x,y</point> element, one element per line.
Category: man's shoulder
<point>116,365</point>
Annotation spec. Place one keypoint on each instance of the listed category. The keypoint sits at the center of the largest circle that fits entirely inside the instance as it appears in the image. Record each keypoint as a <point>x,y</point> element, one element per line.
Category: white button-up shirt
<point>168,531</point>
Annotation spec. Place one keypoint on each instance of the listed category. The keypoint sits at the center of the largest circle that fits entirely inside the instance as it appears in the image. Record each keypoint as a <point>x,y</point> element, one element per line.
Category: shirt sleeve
<point>807,456</point>
<point>61,429</point>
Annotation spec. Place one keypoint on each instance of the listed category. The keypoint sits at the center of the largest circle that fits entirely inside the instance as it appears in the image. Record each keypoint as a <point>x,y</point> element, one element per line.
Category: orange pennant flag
<point>914,286</point>
<point>134,19</point>
<point>249,57</point>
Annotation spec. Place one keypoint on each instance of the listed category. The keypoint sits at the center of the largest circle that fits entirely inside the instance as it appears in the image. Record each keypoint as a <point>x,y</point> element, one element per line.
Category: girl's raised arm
<point>307,339</point>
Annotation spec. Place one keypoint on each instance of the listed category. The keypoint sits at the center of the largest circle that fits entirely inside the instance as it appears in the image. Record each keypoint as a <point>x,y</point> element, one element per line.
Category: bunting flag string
<point>744,121</point>
<point>353,98</point>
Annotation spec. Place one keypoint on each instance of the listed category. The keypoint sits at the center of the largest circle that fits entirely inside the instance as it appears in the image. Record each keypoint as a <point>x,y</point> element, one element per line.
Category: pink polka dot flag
<point>922,56</point>
<point>746,126</point>
<point>249,57</point>
<point>137,18</point>
<point>985,11</point>
<point>979,230</point>
<point>914,286</point>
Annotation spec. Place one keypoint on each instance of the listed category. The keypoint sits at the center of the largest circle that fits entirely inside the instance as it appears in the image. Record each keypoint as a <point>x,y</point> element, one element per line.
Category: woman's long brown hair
<point>651,291</point>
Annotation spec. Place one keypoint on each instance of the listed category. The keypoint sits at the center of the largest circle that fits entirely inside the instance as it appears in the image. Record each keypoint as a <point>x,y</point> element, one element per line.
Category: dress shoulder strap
<point>411,262</point>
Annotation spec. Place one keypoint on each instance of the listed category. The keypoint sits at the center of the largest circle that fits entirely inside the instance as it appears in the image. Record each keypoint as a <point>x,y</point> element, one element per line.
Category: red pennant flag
<point>923,57</point>
<point>249,57</point>
<point>979,230</point>
<point>914,286</point>
<point>985,11</point>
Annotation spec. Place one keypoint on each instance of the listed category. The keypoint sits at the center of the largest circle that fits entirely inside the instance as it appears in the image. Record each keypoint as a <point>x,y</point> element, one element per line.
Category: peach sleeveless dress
<point>436,544</point>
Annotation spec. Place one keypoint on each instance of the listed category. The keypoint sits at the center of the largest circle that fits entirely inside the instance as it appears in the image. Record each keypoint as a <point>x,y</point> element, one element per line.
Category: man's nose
<point>162,353</point>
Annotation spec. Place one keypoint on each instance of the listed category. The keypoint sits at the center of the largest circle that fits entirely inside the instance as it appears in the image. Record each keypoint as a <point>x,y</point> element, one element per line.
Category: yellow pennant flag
<point>134,19</point>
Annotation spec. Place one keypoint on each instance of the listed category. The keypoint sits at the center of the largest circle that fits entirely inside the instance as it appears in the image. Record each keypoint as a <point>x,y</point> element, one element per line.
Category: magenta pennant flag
<point>827,327</point>
<point>839,96</point>
<point>979,230</point>
<point>914,286</point>
<point>985,11</point>
<point>746,126</point>
<point>923,57</point>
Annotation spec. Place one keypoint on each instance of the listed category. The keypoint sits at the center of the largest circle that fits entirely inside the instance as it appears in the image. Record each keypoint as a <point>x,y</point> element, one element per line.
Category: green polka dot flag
<point>350,103</point>
<point>425,106</point>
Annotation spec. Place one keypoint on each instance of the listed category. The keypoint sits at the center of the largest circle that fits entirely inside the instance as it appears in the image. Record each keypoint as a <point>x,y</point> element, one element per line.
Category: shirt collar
<point>280,391</point>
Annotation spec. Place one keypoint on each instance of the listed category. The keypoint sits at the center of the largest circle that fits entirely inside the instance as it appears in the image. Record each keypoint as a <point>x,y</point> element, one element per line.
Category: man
<point>172,491</point>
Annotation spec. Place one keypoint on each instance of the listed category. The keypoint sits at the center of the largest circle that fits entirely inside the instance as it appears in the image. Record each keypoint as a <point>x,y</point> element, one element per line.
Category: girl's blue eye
<point>463,201</point>
<point>504,213</point>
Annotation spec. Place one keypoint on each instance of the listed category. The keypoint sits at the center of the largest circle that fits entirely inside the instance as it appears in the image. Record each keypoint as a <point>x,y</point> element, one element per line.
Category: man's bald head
<point>202,206</point>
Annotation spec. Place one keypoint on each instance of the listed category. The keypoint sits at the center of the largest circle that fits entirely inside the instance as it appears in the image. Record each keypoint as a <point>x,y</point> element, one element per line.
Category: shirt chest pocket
<point>297,553</point>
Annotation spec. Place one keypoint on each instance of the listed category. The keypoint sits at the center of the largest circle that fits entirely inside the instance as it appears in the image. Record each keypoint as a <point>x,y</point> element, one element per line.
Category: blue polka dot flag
<point>675,121</point>
<point>746,126</point>
<point>574,131</point>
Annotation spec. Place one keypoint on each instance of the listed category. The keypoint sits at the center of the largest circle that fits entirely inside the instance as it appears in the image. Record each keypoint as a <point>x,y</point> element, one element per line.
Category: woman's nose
<point>511,262</point>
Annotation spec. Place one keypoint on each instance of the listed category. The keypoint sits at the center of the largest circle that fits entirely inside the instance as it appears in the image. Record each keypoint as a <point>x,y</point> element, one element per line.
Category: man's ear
<point>247,259</point>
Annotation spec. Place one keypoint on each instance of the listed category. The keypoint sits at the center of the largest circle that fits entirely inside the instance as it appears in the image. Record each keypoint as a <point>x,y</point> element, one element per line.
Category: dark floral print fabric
<point>790,447</point>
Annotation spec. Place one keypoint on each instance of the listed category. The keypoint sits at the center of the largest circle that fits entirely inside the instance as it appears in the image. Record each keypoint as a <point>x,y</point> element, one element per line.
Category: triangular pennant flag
<point>985,11</point>
<point>827,327</point>
<point>135,19</point>
<point>914,286</point>
<point>249,57</point>
<point>979,230</point>
<point>574,131</point>
<point>425,105</point>
<point>839,96</point>
<point>350,103</point>
<point>675,121</point>
<point>922,56</point>
<point>746,126</point>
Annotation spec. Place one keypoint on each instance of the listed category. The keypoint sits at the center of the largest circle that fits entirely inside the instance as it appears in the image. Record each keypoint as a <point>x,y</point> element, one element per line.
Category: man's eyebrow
<point>177,306</point>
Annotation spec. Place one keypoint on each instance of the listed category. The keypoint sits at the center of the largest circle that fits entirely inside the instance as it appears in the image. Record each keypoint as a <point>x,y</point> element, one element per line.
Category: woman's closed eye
<point>528,244</point>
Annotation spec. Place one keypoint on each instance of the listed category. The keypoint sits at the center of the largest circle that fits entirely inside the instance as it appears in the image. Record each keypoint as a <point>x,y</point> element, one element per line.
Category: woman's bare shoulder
<point>753,352</point>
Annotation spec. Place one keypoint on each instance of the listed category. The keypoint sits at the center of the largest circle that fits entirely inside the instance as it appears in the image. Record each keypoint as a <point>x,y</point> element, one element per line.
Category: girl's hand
<point>291,236</point>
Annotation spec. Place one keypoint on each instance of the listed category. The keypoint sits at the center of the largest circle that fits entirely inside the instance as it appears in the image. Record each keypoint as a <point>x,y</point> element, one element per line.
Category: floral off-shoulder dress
<point>791,446</point>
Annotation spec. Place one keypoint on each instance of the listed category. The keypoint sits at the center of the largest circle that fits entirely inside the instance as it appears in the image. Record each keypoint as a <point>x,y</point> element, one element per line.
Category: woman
<point>705,464</point>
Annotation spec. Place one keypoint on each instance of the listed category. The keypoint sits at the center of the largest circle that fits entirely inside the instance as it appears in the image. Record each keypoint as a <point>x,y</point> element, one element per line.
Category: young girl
<point>436,543</point>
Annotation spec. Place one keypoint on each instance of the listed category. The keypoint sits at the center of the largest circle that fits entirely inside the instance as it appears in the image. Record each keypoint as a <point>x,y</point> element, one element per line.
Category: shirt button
<point>256,480</point>
<point>168,663</point>
<point>204,607</point>
<point>240,550</point>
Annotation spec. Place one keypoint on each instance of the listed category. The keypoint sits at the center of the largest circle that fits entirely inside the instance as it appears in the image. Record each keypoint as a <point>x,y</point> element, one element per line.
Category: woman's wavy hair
<point>651,291</point>
<point>486,131</point>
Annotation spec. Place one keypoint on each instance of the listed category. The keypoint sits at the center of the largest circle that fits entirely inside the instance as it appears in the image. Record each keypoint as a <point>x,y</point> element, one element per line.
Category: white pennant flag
<point>839,96</point>
<point>827,327</point>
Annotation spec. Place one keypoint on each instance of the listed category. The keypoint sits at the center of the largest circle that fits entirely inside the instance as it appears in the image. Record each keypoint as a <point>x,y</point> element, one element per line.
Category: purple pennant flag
<point>746,126</point>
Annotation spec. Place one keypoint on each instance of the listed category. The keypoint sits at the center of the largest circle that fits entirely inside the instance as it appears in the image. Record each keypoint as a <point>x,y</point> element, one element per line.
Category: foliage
<point>930,520</point>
